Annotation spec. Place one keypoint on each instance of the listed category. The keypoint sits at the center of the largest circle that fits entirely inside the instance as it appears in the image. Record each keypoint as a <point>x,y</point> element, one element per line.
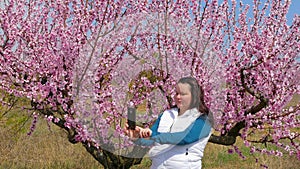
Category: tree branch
<point>223,140</point>
<point>230,137</point>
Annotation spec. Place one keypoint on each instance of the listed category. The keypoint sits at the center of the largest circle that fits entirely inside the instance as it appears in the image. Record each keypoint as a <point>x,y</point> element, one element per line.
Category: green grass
<point>50,149</point>
<point>217,157</point>
<point>43,149</point>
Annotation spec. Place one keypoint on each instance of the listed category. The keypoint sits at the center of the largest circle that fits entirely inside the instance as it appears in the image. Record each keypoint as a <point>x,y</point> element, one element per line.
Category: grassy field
<point>43,149</point>
<point>50,150</point>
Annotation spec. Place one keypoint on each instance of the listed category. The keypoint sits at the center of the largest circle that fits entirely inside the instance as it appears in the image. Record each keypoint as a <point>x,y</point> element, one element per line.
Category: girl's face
<point>183,97</point>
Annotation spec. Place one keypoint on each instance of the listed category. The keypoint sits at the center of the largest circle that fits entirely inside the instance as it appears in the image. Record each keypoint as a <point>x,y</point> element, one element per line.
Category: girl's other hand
<point>145,132</point>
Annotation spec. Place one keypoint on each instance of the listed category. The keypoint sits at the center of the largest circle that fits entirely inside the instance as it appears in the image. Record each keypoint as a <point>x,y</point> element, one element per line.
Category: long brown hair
<point>197,94</point>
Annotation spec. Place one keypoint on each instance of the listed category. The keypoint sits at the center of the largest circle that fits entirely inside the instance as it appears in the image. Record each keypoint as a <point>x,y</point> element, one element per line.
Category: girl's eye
<point>180,94</point>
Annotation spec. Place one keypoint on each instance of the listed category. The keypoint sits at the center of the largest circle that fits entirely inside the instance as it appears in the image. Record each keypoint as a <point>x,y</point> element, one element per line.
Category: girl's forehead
<point>183,87</point>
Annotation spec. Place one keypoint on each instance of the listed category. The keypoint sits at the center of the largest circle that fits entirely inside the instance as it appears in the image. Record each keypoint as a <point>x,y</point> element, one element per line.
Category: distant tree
<point>81,62</point>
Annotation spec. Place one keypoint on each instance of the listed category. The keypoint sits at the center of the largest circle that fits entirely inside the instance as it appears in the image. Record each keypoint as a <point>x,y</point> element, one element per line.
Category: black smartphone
<point>131,118</point>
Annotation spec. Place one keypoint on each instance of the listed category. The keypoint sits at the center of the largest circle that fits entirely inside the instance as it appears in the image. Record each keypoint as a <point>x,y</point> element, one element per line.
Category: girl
<point>179,135</point>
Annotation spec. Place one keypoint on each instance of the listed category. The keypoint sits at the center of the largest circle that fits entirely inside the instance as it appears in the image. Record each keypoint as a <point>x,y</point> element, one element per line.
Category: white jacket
<point>167,156</point>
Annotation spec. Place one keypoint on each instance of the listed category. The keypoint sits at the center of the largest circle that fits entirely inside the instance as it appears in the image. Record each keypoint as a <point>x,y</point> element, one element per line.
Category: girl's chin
<point>179,107</point>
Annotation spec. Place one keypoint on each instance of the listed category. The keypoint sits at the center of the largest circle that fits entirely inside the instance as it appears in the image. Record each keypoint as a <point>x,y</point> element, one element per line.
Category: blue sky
<point>294,9</point>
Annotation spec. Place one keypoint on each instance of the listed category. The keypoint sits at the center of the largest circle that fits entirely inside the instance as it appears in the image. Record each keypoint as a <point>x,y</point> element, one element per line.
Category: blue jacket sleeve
<point>144,142</point>
<point>199,129</point>
<point>154,127</point>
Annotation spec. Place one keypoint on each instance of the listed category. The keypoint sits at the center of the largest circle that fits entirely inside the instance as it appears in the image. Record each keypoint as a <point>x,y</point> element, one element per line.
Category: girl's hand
<point>133,134</point>
<point>145,132</point>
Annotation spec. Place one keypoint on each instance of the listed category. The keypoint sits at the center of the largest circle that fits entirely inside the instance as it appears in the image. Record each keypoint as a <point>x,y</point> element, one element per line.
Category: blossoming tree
<point>80,63</point>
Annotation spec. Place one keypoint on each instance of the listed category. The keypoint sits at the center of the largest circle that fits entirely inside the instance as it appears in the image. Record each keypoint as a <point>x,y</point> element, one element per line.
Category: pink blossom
<point>82,64</point>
